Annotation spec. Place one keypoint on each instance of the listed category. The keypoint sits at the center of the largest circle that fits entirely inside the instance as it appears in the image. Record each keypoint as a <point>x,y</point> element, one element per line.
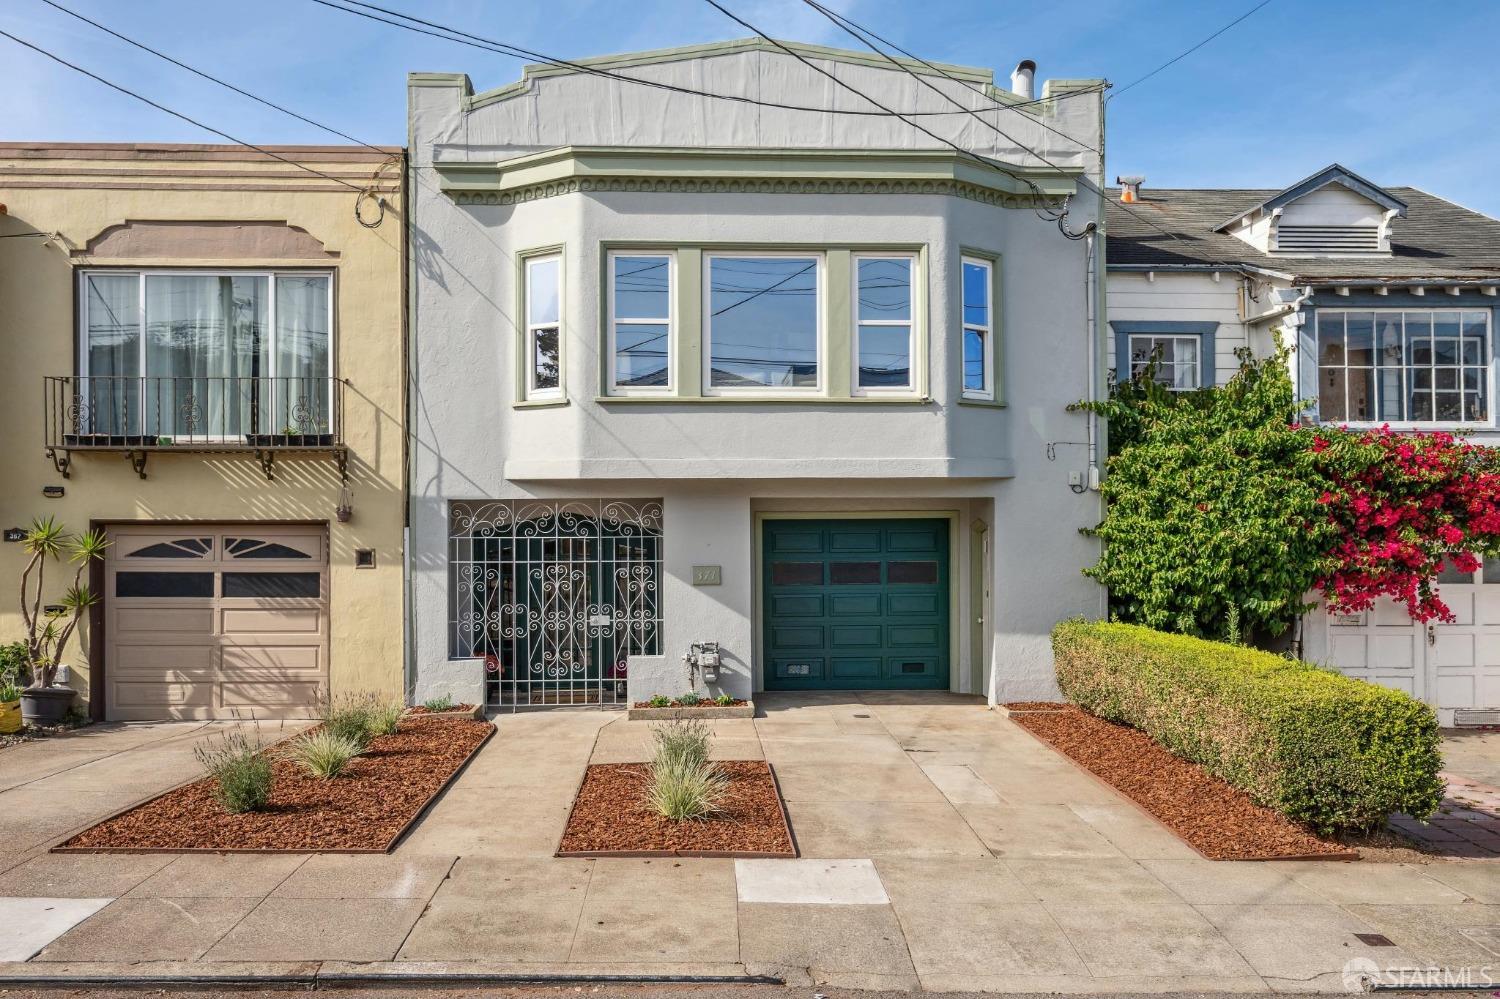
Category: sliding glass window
<point>640,322</point>
<point>205,355</point>
<point>762,323</point>
<point>883,330</point>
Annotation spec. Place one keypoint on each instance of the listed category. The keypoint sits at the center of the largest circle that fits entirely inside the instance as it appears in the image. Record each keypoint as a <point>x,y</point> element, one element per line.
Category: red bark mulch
<point>611,815</point>
<point>737,703</point>
<point>457,709</point>
<point>1216,819</point>
<point>364,809</point>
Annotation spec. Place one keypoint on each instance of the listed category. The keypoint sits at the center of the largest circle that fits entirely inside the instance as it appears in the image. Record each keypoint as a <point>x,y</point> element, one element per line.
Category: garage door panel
<point>156,657</point>
<point>847,541</point>
<point>855,636</point>
<point>797,605</point>
<point>851,668</point>
<point>164,696</point>
<point>249,621</point>
<point>797,637</point>
<point>272,694</point>
<point>289,659</point>
<point>143,618</point>
<point>853,604</point>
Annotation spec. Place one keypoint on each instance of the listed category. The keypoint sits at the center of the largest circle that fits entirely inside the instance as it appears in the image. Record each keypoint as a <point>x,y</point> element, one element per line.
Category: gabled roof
<point>1331,174</point>
<point>1181,228</point>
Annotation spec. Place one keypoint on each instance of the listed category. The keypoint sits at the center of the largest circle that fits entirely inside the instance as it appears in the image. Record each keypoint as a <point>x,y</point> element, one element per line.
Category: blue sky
<point>1402,93</point>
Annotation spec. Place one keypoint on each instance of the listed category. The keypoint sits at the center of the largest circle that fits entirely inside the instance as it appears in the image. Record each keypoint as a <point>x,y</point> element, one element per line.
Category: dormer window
<point>1333,213</point>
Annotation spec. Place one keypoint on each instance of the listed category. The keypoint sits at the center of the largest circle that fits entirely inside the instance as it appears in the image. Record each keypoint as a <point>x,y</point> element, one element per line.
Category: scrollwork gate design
<point>555,596</point>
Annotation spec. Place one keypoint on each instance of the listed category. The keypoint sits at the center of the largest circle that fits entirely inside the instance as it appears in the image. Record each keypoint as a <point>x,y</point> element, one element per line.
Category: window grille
<point>555,596</point>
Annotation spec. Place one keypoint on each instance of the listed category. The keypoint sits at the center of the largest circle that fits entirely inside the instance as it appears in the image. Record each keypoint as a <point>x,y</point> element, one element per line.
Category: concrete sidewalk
<point>942,848</point>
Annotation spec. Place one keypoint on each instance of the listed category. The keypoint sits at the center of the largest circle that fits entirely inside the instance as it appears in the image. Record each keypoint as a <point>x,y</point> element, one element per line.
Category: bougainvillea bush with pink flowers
<point>1226,508</point>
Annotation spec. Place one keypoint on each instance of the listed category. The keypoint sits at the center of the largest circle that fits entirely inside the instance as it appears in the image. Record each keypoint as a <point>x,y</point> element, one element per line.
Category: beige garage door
<point>217,621</point>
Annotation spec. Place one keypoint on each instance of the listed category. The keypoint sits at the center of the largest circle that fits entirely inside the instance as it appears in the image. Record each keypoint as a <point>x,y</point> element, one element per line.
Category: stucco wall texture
<point>79,191</point>
<point>720,468</point>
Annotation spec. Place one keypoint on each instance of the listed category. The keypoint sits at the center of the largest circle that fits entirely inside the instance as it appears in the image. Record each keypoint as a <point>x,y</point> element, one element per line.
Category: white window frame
<point>670,321</point>
<point>1489,368</point>
<point>141,273</point>
<point>1197,342</point>
<point>912,384</point>
<point>529,352</point>
<point>820,256</point>
<point>987,393</point>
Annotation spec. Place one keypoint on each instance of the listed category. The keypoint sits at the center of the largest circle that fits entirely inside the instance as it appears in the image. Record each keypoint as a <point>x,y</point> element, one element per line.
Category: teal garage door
<point>855,604</point>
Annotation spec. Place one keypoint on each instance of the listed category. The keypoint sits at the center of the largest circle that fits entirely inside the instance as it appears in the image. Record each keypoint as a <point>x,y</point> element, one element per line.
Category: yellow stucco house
<point>203,357</point>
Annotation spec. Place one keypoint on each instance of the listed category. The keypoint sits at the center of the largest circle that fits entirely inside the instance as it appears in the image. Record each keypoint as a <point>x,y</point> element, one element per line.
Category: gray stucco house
<point>1387,299</point>
<point>774,370</point>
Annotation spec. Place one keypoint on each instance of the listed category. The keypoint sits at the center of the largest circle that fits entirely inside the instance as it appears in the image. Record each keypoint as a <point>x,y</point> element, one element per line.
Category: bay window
<point>883,331</point>
<point>1404,366</point>
<point>203,354</point>
<point>762,322</point>
<point>640,322</point>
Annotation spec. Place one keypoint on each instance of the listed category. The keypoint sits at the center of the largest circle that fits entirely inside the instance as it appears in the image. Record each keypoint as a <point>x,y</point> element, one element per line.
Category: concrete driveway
<point>942,849</point>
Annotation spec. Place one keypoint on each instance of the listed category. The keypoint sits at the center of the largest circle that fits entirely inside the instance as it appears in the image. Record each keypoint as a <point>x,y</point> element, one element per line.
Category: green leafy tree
<point>1213,526</point>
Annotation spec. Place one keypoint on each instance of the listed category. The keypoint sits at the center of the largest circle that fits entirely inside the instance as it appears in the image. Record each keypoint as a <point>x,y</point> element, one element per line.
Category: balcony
<point>140,415</point>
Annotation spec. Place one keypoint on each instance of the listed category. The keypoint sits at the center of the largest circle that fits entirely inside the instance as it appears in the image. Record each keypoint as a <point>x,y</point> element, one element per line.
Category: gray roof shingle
<point>1437,239</point>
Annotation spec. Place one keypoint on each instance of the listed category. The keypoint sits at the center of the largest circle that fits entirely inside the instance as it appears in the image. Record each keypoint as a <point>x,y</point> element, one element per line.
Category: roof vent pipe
<point>1130,187</point>
<point>1023,80</point>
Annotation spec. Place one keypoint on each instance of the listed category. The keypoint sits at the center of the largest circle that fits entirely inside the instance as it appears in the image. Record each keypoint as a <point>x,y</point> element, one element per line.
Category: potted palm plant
<point>45,702</point>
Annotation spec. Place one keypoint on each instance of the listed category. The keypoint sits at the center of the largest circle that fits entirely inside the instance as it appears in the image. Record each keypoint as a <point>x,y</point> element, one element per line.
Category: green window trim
<point>836,314</point>
<point>995,361</point>
<point>525,396</point>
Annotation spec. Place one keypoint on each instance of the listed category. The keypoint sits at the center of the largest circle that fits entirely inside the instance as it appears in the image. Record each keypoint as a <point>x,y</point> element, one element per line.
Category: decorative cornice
<point>743,185</point>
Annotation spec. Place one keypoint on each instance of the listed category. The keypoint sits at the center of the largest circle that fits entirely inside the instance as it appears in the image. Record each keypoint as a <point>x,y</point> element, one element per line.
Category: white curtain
<point>206,349</point>
<point>108,401</point>
<point>302,388</point>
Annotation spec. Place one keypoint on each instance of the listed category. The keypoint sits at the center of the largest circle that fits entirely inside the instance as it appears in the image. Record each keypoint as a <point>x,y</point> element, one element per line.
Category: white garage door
<point>216,621</point>
<point>1455,667</point>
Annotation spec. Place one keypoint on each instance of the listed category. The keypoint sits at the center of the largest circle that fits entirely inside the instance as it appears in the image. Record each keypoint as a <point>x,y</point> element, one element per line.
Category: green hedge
<point>1319,747</point>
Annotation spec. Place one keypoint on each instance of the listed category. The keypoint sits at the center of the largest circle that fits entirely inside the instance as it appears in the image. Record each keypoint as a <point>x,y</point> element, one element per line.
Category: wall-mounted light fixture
<point>15,534</point>
<point>52,492</point>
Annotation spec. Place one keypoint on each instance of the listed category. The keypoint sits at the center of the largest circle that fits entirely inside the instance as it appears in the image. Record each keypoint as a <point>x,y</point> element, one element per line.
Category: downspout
<point>1295,309</point>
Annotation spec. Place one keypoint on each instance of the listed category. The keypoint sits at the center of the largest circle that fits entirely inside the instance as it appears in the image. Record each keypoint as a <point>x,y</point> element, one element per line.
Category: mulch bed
<point>1217,820</point>
<point>363,810</point>
<point>611,816</point>
<point>701,704</point>
<point>457,709</point>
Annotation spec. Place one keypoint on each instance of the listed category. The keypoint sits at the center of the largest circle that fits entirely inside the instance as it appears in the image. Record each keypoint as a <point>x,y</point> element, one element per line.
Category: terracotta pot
<point>47,706</point>
<point>10,717</point>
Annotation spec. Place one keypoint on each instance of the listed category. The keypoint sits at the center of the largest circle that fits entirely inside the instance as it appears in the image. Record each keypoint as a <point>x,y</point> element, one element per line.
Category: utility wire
<point>993,164</point>
<point>863,34</point>
<point>178,114</point>
<point>514,51</point>
<point>1173,61</point>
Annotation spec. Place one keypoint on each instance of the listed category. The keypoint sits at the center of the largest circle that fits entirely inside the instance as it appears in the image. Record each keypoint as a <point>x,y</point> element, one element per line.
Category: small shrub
<point>1324,749</point>
<point>350,717</point>
<point>14,666</point>
<point>241,769</point>
<point>681,741</point>
<point>690,699</point>
<point>323,753</point>
<point>683,789</point>
<point>439,704</point>
<point>723,700</point>
<point>660,701</point>
<point>384,717</point>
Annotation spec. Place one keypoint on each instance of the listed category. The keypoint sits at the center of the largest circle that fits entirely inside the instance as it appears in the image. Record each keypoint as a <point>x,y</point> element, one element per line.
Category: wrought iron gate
<point>555,596</point>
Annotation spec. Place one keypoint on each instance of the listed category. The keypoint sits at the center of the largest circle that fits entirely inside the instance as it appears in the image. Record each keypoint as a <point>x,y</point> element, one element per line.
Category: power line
<point>858,31</point>
<point>214,79</point>
<point>515,51</point>
<point>1184,55</point>
<point>993,164</point>
<point>178,114</point>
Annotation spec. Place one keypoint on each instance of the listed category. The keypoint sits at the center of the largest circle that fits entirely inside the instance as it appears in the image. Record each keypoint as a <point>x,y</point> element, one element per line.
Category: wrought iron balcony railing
<point>138,414</point>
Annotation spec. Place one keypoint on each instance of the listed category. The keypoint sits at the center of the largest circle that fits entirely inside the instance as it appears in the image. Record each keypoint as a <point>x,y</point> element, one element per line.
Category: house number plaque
<point>708,575</point>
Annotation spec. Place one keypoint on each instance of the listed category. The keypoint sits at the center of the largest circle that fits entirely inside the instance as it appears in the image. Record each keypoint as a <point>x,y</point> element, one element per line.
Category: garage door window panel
<point>260,549</point>
<point>164,584</point>
<point>279,585</point>
<point>181,548</point>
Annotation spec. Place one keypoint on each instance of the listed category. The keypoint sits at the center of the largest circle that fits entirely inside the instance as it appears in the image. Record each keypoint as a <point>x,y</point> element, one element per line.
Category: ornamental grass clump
<point>323,754</point>
<point>1323,749</point>
<point>437,705</point>
<point>684,784</point>
<point>384,717</point>
<point>241,770</point>
<point>351,717</point>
